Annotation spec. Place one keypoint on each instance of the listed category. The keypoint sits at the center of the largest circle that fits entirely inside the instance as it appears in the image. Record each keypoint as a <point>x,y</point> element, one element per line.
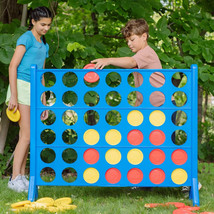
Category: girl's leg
<point>24,162</point>
<point>24,141</point>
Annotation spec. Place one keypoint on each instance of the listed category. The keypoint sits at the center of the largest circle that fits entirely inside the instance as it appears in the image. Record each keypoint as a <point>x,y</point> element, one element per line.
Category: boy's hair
<point>137,27</point>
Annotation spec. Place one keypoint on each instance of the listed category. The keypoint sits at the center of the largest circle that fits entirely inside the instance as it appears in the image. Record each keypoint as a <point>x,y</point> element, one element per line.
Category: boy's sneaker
<point>17,184</point>
<point>187,188</point>
<point>25,181</point>
<point>199,185</point>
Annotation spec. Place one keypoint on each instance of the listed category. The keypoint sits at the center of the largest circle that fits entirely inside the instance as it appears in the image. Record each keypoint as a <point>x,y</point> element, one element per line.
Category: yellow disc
<point>179,176</point>
<point>113,156</point>
<point>113,137</point>
<point>157,118</point>
<point>91,175</point>
<point>135,118</point>
<point>135,156</point>
<point>91,137</point>
<point>15,117</point>
<point>20,204</point>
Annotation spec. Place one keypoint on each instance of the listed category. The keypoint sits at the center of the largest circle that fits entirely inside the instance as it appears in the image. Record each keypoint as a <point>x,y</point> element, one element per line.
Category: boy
<point>136,33</point>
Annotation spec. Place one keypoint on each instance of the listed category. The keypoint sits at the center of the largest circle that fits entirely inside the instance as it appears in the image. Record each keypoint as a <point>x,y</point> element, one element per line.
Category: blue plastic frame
<point>168,108</point>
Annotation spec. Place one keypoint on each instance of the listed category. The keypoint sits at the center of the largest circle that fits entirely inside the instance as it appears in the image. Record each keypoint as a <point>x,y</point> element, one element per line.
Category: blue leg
<point>32,191</point>
<point>194,193</point>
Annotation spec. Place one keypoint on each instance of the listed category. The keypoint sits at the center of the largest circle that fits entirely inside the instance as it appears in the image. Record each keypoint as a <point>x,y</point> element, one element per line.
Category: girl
<point>31,48</point>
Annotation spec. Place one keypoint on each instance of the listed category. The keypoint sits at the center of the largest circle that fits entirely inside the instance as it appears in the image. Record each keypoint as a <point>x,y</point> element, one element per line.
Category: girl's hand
<point>101,63</point>
<point>44,115</point>
<point>13,104</point>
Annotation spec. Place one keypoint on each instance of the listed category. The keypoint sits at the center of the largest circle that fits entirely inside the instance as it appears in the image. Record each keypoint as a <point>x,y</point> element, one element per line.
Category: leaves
<point>207,54</point>
<point>75,46</point>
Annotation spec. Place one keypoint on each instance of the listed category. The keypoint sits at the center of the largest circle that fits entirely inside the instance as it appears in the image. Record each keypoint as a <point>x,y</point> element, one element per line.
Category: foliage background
<point>181,32</point>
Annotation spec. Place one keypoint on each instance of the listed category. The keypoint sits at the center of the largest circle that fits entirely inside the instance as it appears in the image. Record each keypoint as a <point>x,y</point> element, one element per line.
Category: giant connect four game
<point>101,130</point>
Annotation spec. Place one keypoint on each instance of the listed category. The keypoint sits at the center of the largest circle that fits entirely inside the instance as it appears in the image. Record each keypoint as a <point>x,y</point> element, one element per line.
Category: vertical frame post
<point>32,192</point>
<point>194,194</point>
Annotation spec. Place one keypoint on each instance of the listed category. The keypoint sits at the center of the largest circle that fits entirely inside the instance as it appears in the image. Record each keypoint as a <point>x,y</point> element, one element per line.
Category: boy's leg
<point>24,141</point>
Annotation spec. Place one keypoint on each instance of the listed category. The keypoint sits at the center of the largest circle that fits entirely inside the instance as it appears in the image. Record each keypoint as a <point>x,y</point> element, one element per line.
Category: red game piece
<point>176,204</point>
<point>113,175</point>
<point>91,76</point>
<point>182,211</point>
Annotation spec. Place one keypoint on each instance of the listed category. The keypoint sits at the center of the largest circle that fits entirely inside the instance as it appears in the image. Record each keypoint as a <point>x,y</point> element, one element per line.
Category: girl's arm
<point>123,62</point>
<point>16,59</point>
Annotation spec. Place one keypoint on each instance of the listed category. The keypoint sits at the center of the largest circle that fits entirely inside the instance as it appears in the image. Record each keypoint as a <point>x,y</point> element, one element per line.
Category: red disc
<point>157,176</point>
<point>91,156</point>
<point>91,77</point>
<point>89,66</point>
<point>135,137</point>
<point>113,175</point>
<point>207,213</point>
<point>176,204</point>
<point>191,208</point>
<point>135,176</point>
<point>179,157</point>
<point>157,156</point>
<point>157,137</point>
<point>182,211</point>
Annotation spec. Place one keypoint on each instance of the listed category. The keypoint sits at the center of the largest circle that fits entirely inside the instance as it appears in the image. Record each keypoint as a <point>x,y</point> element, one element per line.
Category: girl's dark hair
<point>37,14</point>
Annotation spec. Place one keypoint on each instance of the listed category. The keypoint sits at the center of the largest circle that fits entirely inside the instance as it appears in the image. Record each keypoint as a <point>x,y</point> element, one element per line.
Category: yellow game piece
<point>135,118</point>
<point>91,175</point>
<point>70,207</point>
<point>113,137</point>
<point>18,209</point>
<point>20,204</point>
<point>179,176</point>
<point>52,209</point>
<point>135,156</point>
<point>91,137</point>
<point>46,200</point>
<point>113,156</point>
<point>37,205</point>
<point>62,201</point>
<point>157,118</point>
<point>15,117</point>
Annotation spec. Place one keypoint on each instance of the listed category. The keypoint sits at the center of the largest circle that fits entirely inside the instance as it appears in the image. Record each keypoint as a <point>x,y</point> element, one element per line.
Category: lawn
<point>100,200</point>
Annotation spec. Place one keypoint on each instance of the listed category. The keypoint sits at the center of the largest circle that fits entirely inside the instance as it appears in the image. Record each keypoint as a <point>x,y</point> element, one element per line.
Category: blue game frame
<point>168,108</point>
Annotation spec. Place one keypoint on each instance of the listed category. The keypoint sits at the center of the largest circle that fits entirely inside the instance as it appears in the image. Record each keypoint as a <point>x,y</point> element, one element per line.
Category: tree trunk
<point>4,125</point>
<point>205,107</point>
<point>200,101</point>
<point>24,15</point>
<point>9,10</point>
<point>95,23</point>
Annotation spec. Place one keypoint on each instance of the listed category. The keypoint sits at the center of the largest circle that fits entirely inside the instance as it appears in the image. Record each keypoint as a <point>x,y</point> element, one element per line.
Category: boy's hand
<point>101,63</point>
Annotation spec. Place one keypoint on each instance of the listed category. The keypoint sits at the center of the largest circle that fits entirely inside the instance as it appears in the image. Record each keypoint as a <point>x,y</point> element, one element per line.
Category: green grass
<point>108,200</point>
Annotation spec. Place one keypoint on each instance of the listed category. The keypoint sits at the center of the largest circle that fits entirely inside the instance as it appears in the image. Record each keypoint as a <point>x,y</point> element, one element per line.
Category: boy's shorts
<point>23,91</point>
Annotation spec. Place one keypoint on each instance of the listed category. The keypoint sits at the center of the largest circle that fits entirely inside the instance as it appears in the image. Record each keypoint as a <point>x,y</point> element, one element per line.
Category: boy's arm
<point>123,62</point>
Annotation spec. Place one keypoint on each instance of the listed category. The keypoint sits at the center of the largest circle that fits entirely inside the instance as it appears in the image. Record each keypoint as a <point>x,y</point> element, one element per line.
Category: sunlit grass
<point>109,200</point>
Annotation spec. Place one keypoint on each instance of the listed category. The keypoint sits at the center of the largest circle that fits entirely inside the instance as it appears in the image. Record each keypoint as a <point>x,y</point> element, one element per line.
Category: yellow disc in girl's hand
<point>15,117</point>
